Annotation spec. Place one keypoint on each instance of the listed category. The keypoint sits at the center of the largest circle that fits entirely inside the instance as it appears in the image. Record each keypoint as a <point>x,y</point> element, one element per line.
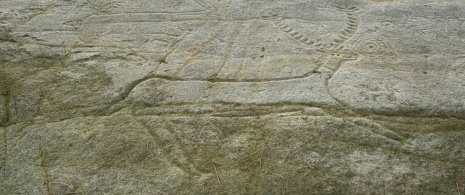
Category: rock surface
<point>232,97</point>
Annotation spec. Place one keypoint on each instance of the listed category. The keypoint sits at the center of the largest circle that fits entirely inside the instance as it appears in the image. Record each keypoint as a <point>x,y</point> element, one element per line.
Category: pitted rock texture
<point>232,97</point>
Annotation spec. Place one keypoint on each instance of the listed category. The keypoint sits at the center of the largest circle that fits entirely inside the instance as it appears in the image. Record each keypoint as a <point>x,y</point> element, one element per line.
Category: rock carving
<point>232,96</point>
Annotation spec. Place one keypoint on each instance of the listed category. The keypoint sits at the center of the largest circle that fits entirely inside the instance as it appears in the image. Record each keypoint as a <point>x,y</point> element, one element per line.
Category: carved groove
<point>373,47</point>
<point>170,141</point>
<point>5,150</point>
<point>335,45</point>
<point>45,169</point>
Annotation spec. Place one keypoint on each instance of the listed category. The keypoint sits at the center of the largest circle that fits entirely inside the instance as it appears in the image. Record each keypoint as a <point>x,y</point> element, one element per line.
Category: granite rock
<point>232,97</point>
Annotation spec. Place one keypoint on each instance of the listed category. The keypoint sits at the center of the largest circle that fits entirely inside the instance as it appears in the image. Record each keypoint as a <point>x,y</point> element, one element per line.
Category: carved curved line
<point>309,42</point>
<point>349,31</point>
<point>288,30</point>
<point>343,35</point>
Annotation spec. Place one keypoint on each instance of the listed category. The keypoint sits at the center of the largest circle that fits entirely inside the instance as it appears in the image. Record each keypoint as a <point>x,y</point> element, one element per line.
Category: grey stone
<point>232,97</point>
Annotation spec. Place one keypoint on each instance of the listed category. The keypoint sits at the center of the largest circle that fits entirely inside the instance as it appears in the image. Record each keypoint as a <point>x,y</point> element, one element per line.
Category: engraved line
<point>231,45</point>
<point>281,24</point>
<point>5,150</point>
<point>174,46</point>
<point>349,31</point>
<point>156,39</point>
<point>195,55</point>
<point>154,137</point>
<point>241,68</point>
<point>180,146</point>
<point>45,169</point>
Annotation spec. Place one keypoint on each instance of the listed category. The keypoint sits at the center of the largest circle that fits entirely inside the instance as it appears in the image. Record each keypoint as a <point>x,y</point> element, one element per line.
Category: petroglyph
<point>254,53</point>
<point>373,47</point>
<point>308,30</point>
<point>124,30</point>
<point>325,43</point>
<point>251,96</point>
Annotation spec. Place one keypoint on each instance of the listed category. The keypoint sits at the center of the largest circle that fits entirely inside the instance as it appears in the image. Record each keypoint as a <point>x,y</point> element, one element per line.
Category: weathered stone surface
<point>232,97</point>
